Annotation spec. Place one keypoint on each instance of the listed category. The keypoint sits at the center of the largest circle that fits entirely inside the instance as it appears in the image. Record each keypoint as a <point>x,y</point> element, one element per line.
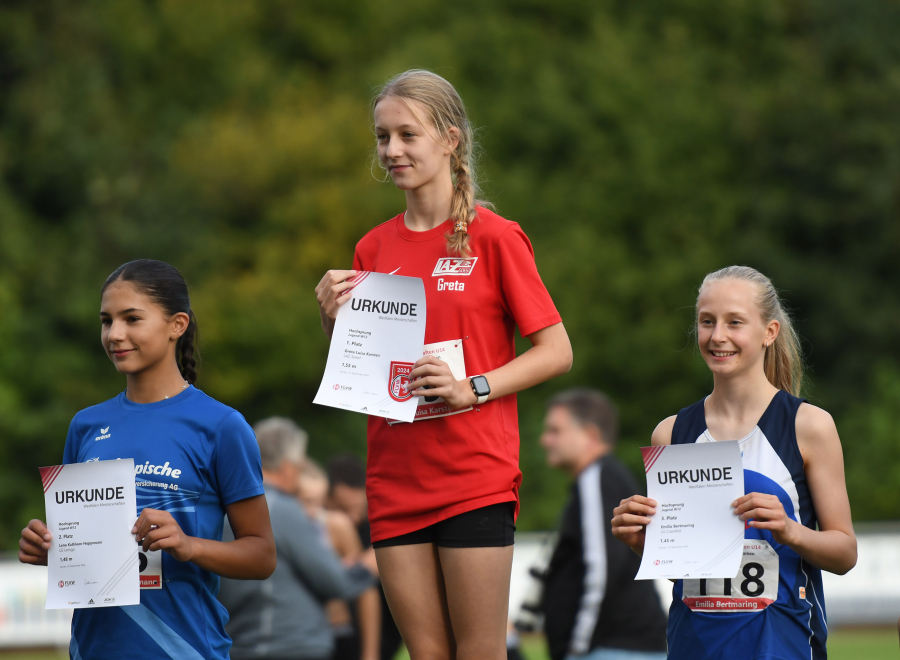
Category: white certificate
<point>430,407</point>
<point>93,557</point>
<point>694,532</point>
<point>379,334</point>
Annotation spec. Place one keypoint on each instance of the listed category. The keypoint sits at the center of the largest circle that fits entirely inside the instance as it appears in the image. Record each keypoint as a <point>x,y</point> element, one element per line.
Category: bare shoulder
<point>662,434</point>
<point>817,437</point>
<point>343,533</point>
<point>339,522</point>
<point>814,424</point>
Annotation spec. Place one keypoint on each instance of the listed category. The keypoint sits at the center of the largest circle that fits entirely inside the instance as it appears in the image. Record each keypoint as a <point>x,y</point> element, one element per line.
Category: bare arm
<point>632,516</point>
<point>550,355</point>
<point>343,536</point>
<point>833,546</point>
<point>251,556</point>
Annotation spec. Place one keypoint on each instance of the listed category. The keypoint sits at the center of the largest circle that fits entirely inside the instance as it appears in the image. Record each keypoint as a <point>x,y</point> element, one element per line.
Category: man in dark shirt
<point>593,607</point>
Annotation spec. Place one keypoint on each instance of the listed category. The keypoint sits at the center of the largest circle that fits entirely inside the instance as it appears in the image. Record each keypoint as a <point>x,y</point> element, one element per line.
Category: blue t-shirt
<point>193,456</point>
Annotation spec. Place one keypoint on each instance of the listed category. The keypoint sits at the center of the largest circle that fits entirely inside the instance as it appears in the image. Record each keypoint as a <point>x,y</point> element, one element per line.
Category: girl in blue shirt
<point>196,460</point>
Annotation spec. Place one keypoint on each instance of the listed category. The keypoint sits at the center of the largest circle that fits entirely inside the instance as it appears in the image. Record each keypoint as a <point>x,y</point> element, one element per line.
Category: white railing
<point>23,620</point>
<point>868,595</point>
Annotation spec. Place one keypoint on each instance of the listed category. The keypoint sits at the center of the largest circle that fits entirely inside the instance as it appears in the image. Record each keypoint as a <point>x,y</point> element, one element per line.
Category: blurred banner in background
<point>867,596</point>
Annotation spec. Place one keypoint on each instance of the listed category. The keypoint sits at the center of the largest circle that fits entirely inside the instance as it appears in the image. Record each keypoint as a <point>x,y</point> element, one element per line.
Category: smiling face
<point>731,332</point>
<point>412,155</point>
<point>135,331</point>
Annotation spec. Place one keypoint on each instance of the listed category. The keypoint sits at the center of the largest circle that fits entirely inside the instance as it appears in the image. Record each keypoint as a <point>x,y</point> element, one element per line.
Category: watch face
<point>480,385</point>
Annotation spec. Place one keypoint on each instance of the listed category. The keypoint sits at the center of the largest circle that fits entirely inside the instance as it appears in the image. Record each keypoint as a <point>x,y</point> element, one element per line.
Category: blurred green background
<point>639,144</point>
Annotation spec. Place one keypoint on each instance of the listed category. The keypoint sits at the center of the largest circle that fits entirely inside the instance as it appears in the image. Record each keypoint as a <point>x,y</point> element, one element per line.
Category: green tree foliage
<point>640,145</point>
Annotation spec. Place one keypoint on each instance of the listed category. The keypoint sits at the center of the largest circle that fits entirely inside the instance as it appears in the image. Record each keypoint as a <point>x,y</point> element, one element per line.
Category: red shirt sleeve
<point>524,294</point>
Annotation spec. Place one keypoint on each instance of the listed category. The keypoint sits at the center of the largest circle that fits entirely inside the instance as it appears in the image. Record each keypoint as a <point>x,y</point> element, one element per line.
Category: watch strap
<point>480,398</point>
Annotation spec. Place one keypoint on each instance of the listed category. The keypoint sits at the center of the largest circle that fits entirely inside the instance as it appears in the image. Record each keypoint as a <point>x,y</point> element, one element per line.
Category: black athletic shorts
<point>490,526</point>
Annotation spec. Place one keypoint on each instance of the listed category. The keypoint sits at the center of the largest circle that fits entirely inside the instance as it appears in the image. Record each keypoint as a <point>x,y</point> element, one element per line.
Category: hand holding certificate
<point>93,557</point>
<point>378,336</point>
<point>694,532</point>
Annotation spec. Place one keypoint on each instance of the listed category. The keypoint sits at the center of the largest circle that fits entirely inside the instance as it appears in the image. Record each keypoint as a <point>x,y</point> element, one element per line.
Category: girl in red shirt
<point>443,491</point>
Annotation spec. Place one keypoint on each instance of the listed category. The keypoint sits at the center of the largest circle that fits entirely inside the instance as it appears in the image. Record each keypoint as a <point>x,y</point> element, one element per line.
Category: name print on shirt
<point>450,286</point>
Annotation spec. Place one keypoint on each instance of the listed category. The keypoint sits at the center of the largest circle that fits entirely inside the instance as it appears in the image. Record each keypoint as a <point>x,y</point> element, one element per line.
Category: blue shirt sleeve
<point>236,466</point>
<point>70,453</point>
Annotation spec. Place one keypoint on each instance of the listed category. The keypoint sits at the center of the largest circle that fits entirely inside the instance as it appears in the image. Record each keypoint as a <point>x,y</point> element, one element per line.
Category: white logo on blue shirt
<point>161,470</point>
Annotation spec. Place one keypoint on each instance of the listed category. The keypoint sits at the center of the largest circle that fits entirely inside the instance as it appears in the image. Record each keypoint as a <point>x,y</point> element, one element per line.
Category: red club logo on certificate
<point>399,381</point>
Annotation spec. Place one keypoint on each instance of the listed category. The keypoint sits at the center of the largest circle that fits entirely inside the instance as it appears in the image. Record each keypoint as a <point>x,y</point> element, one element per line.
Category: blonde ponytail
<point>783,362</point>
<point>445,110</point>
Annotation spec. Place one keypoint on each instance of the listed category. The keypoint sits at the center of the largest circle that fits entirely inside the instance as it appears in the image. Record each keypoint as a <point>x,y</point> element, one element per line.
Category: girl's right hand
<point>35,543</point>
<point>332,292</point>
<point>630,520</point>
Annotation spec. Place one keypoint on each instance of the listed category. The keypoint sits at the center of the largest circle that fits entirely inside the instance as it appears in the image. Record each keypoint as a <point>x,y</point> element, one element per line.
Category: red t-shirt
<point>424,472</point>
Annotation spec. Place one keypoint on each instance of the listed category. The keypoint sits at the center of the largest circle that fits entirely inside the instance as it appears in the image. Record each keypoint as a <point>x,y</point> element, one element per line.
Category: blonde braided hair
<point>445,110</point>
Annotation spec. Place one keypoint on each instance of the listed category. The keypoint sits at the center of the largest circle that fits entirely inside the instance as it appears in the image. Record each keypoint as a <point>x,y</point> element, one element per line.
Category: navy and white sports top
<point>773,608</point>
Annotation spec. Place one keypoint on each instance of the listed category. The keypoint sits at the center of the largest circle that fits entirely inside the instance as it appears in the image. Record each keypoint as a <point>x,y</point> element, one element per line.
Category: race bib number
<point>430,407</point>
<point>151,569</point>
<point>754,588</point>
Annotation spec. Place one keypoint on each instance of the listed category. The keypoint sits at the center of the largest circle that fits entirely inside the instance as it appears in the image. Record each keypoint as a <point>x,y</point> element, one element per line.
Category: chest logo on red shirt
<point>453,266</point>
<point>398,385</point>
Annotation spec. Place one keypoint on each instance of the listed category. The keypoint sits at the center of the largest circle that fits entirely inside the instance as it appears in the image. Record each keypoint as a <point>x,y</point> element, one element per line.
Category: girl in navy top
<point>796,511</point>
<point>196,460</point>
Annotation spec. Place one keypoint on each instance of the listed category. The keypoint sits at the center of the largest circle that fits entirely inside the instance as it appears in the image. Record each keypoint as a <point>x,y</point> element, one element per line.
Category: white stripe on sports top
<point>594,552</point>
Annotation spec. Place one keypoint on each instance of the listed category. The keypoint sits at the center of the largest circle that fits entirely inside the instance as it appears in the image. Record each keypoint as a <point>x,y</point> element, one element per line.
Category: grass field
<point>876,644</point>
<point>869,644</point>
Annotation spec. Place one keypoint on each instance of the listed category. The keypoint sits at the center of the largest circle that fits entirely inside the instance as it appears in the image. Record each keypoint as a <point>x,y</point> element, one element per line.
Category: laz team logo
<point>454,266</point>
<point>398,385</point>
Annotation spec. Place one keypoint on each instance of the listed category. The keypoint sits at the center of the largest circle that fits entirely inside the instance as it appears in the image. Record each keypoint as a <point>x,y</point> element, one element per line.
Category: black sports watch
<point>480,387</point>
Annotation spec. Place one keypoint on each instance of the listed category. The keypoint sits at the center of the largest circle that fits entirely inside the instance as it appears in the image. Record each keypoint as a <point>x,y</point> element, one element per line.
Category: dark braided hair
<point>165,286</point>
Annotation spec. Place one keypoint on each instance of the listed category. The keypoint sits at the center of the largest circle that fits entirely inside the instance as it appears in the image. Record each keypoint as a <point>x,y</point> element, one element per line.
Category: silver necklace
<point>183,388</point>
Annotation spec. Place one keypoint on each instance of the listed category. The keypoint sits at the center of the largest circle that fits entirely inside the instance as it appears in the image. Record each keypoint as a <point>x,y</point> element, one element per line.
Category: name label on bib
<point>151,569</point>
<point>753,589</point>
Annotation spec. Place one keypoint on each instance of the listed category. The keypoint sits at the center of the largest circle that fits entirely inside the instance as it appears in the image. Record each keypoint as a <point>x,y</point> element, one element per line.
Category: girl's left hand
<point>435,373</point>
<point>157,530</point>
<point>766,512</point>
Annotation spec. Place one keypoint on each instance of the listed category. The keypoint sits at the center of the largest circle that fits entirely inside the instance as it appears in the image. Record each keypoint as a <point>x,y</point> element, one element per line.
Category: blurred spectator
<point>593,607</point>
<point>356,629</point>
<point>283,617</point>
<point>347,493</point>
<point>347,483</point>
